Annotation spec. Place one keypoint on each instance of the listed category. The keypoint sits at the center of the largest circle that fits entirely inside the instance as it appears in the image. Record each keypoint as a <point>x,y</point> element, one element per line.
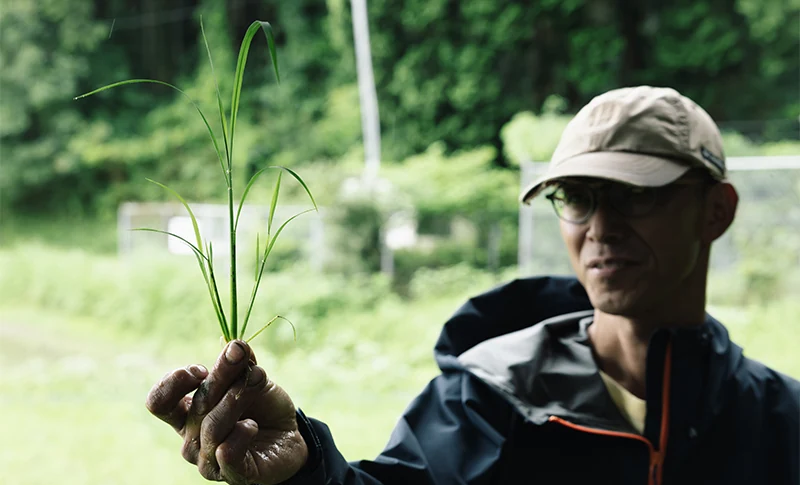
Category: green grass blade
<point>122,83</point>
<point>273,52</point>
<point>299,179</point>
<point>267,250</point>
<point>222,119</point>
<point>240,65</point>
<point>278,232</point>
<point>192,246</point>
<point>294,330</point>
<point>273,203</point>
<point>215,295</point>
<point>246,190</point>
<point>260,263</point>
<point>255,177</point>
<point>153,81</point>
<point>258,255</point>
<point>235,97</point>
<point>234,291</point>
<point>210,279</point>
<point>210,283</point>
<point>188,209</point>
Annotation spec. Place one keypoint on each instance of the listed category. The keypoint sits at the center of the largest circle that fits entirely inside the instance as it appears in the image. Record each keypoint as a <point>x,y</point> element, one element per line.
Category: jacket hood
<point>508,308</point>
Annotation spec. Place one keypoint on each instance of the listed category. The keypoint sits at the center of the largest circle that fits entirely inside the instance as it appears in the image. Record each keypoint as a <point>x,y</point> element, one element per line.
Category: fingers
<point>223,419</point>
<point>220,421</point>
<point>167,399</point>
<point>230,366</point>
<point>234,463</point>
<point>251,454</point>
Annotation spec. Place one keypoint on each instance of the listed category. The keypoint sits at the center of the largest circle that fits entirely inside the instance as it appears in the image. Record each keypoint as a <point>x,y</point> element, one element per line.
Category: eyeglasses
<point>576,202</point>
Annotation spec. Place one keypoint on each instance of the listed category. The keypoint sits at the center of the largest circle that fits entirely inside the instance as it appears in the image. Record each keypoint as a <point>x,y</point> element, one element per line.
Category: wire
<point>150,19</point>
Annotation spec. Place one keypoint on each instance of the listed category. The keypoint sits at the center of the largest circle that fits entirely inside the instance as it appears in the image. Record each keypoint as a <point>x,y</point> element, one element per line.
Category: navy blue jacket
<point>520,401</point>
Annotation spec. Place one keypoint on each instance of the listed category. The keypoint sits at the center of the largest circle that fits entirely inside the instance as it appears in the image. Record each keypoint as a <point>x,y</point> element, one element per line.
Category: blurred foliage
<point>155,294</point>
<point>46,49</point>
<point>93,234</point>
<point>462,183</point>
<point>449,74</point>
<point>468,91</point>
<point>458,71</point>
<point>533,138</point>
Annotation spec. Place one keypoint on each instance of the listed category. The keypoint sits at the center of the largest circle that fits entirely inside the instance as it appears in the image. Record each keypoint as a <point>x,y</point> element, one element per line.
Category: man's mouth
<point>611,265</point>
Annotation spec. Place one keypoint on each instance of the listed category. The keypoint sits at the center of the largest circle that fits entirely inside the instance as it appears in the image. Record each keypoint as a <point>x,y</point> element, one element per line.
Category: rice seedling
<point>203,251</point>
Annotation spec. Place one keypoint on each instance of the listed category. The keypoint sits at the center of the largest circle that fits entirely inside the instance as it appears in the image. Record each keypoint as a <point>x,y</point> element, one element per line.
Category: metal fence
<point>307,232</point>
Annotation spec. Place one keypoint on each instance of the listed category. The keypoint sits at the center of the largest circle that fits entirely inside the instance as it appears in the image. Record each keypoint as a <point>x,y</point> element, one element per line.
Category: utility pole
<point>370,120</point>
<point>368,97</point>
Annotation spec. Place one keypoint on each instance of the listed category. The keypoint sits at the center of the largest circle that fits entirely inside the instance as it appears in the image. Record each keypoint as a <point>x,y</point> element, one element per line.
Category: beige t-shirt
<point>631,407</point>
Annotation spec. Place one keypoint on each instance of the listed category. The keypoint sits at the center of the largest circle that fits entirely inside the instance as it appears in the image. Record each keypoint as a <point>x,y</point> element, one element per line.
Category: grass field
<point>73,387</point>
<point>72,406</point>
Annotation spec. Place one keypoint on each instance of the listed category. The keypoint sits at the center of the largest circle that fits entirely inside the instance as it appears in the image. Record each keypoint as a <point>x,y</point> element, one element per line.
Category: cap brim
<point>630,168</point>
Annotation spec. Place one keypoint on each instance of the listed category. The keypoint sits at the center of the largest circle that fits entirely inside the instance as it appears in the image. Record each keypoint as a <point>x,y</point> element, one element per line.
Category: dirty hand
<point>239,427</point>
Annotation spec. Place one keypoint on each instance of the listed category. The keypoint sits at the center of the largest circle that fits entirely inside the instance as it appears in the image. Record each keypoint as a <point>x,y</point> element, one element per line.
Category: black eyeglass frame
<point>594,188</point>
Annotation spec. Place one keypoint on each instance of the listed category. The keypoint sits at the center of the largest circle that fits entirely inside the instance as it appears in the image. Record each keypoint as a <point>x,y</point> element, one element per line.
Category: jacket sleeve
<point>442,438</point>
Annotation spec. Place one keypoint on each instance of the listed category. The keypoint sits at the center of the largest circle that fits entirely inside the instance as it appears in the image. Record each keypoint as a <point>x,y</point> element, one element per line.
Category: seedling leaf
<point>188,209</point>
<point>297,177</point>
<point>267,250</point>
<point>244,193</point>
<point>274,203</point>
<point>206,259</point>
<point>258,254</point>
<point>222,119</point>
<point>277,233</point>
<point>192,246</point>
<point>294,330</point>
<point>136,81</point>
<point>258,174</point>
<point>210,283</point>
<point>244,49</point>
<point>215,296</point>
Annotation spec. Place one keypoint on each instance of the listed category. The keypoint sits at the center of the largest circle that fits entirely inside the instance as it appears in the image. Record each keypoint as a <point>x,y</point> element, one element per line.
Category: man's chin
<point>620,302</point>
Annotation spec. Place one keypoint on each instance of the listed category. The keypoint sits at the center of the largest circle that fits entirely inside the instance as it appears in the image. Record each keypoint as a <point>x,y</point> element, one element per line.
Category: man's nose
<point>606,226</point>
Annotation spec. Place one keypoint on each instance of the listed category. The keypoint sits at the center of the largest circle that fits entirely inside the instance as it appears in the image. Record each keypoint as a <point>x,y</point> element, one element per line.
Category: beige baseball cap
<point>644,136</point>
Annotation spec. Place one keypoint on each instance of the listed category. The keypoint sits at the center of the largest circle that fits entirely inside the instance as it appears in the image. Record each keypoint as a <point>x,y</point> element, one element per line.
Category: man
<point>618,376</point>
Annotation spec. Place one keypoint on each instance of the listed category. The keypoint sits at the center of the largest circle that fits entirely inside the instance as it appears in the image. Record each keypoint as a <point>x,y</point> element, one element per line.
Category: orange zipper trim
<point>656,471</point>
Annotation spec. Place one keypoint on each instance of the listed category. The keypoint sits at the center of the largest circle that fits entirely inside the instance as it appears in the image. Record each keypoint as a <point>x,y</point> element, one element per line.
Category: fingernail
<point>197,371</point>
<point>255,378</point>
<point>235,353</point>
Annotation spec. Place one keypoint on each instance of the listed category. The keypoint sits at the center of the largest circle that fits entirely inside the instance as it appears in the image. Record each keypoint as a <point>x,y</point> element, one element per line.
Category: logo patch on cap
<point>715,160</point>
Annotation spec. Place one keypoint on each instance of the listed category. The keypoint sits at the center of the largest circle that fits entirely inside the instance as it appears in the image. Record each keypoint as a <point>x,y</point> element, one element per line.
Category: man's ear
<point>721,202</point>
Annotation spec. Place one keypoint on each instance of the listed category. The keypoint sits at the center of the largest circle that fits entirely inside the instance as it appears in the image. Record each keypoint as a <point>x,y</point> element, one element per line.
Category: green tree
<point>457,71</point>
<point>314,114</point>
<point>447,71</point>
<point>58,154</point>
<point>45,48</point>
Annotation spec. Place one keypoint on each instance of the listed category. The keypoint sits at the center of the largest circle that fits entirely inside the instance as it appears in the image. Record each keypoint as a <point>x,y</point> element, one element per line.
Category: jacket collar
<point>544,367</point>
<point>548,370</point>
